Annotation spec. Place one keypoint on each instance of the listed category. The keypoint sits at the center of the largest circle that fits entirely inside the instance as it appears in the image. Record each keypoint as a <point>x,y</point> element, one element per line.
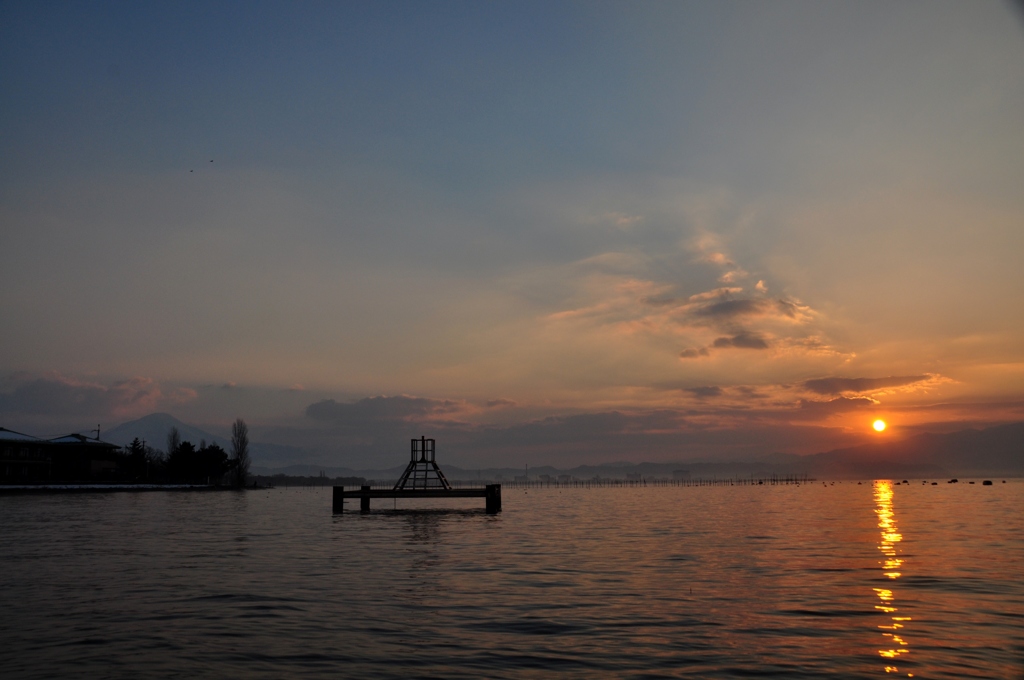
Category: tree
<point>155,461</point>
<point>181,462</point>
<point>133,461</point>
<point>197,466</point>
<point>240,451</point>
<point>212,463</point>
<point>173,442</point>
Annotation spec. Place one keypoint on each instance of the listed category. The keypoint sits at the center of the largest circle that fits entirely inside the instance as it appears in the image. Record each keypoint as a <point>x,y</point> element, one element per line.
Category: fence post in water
<point>493,498</point>
<point>338,501</point>
<point>364,502</point>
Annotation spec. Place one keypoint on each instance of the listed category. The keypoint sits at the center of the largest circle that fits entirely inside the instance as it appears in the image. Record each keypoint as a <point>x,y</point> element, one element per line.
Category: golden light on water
<point>879,425</point>
<point>896,644</point>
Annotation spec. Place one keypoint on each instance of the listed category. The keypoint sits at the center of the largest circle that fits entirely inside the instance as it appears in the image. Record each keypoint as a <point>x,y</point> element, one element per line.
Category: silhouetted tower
<point>422,471</point>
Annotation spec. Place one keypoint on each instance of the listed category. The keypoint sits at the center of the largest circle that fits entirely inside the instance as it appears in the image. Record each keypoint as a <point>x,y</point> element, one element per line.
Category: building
<point>77,457</point>
<point>71,458</point>
<point>23,457</point>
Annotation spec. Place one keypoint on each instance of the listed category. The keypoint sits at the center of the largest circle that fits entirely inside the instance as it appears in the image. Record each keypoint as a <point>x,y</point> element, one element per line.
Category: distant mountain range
<point>995,451</point>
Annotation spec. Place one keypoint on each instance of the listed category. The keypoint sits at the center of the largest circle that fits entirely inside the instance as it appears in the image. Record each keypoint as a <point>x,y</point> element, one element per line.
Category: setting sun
<point>879,425</point>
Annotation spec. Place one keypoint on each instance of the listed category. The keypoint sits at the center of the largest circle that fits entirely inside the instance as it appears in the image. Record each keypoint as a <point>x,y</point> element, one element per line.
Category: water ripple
<point>641,583</point>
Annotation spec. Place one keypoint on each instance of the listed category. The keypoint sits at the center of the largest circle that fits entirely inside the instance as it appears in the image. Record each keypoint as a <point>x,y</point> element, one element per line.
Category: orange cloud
<point>59,395</point>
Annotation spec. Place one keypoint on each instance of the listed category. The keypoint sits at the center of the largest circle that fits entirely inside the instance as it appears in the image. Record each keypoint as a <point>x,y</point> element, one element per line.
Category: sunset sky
<point>548,232</point>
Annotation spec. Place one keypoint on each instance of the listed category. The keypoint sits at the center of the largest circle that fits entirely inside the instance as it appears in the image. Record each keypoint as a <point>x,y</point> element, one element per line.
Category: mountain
<point>993,451</point>
<point>154,428</point>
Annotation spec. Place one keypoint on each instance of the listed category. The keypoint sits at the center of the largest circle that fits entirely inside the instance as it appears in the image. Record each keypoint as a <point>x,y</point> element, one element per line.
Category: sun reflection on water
<point>896,644</point>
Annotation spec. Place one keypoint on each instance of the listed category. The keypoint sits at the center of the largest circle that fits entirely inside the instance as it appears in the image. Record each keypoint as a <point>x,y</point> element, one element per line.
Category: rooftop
<point>11,435</point>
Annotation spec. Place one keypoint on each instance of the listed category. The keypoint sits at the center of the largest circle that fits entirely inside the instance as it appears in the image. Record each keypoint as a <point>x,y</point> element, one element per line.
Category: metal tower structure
<point>422,471</point>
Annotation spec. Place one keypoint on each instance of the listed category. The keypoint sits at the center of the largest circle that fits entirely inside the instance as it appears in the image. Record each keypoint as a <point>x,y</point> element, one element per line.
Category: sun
<point>879,425</point>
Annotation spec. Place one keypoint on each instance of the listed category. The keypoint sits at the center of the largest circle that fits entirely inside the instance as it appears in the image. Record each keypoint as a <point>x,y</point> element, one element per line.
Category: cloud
<point>730,309</point>
<point>500,403</point>
<point>743,340</point>
<point>837,405</point>
<point>705,391</point>
<point>622,309</point>
<point>380,409</point>
<point>664,434</point>
<point>749,392</point>
<point>659,301</point>
<point>646,307</point>
<point>624,221</point>
<point>714,293</point>
<point>717,258</point>
<point>727,310</point>
<point>733,275</point>
<point>64,397</point>
<point>708,250</point>
<point>857,385</point>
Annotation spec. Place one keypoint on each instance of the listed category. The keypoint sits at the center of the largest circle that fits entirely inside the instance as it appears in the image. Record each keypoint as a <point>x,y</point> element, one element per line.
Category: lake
<point>808,581</point>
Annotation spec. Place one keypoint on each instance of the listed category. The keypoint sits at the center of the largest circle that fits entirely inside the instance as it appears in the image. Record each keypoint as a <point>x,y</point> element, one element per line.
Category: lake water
<point>843,580</point>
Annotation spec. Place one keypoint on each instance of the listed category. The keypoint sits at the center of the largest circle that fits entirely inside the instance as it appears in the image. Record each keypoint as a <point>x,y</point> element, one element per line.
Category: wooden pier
<point>422,479</point>
<point>490,493</point>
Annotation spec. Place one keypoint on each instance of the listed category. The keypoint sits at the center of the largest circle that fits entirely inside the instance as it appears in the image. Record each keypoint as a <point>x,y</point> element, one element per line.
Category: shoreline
<point>86,488</point>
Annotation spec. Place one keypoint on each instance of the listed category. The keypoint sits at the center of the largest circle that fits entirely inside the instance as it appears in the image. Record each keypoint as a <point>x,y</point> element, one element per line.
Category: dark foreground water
<point>788,581</point>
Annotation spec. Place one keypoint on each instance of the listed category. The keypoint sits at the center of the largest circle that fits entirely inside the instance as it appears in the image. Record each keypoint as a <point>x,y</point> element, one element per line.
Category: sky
<point>542,232</point>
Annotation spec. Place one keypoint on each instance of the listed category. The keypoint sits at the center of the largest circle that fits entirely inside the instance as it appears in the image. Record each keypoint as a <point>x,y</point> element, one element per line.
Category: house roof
<point>75,438</point>
<point>12,436</point>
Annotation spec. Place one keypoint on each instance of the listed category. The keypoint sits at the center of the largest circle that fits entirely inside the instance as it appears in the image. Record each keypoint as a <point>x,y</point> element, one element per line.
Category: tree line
<point>186,463</point>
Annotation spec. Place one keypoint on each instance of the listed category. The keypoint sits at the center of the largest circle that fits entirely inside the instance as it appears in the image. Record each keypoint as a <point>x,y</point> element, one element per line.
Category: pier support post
<point>338,501</point>
<point>493,499</point>
<point>364,502</point>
